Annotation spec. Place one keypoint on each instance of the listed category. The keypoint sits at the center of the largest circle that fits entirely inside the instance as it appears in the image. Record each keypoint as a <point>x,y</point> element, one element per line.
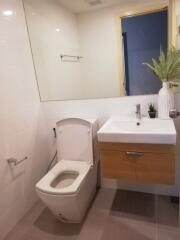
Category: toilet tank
<point>76,139</point>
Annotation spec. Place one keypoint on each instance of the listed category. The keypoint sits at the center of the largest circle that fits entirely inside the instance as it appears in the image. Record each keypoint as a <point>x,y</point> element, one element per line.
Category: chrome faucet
<point>138,111</point>
<point>173,113</point>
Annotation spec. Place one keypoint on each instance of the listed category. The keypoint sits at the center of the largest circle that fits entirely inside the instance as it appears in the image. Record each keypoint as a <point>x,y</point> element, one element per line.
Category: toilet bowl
<point>70,185</point>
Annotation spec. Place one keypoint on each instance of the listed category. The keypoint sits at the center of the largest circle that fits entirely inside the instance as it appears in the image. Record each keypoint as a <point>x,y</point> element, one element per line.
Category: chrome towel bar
<point>70,58</point>
<point>16,161</point>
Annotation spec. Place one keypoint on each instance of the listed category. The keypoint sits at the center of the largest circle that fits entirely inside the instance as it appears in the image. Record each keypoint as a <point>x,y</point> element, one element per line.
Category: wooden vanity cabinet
<point>153,163</point>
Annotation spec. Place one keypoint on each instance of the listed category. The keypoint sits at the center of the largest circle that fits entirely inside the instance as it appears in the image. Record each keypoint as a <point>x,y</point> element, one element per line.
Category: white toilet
<point>69,186</point>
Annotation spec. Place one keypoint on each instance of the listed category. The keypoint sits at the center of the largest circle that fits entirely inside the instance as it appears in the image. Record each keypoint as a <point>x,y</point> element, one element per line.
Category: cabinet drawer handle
<point>135,154</point>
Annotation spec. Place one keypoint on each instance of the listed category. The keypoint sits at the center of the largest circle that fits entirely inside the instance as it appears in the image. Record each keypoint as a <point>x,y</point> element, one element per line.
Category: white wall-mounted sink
<point>126,130</point>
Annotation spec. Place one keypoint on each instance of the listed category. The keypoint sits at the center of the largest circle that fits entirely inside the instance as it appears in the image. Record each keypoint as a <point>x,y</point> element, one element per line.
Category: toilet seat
<point>64,166</point>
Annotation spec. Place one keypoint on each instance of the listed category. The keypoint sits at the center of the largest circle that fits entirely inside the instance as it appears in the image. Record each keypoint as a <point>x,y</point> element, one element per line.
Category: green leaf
<point>167,66</point>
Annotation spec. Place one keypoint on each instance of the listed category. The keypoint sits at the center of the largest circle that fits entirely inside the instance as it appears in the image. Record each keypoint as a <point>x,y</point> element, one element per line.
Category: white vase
<point>165,101</point>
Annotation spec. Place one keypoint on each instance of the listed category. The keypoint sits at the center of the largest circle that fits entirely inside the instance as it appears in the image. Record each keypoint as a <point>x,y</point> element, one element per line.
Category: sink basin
<point>127,130</point>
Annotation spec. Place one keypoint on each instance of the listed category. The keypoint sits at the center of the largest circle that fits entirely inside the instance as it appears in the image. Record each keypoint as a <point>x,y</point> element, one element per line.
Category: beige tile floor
<point>113,215</point>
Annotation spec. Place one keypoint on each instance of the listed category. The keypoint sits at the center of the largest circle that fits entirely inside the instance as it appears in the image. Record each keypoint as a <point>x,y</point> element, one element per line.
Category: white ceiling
<point>78,6</point>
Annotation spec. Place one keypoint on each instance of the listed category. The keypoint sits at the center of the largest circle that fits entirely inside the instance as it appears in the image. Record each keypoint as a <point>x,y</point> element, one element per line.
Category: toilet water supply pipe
<point>50,164</point>
<point>55,155</point>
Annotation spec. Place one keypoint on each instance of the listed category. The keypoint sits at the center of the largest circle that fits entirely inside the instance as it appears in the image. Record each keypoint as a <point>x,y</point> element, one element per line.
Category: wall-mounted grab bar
<point>16,161</point>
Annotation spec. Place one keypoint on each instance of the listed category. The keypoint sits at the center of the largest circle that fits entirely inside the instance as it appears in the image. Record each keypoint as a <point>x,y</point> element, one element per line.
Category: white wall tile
<point>102,109</point>
<point>22,129</point>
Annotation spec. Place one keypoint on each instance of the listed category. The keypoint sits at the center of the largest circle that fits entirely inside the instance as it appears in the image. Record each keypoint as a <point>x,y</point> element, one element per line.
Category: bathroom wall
<point>26,124</point>
<point>99,46</point>
<point>53,32</point>
<point>102,109</point>
<point>22,128</point>
<point>103,25</point>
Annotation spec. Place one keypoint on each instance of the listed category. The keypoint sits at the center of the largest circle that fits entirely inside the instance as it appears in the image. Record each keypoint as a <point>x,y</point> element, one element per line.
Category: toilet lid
<point>74,140</point>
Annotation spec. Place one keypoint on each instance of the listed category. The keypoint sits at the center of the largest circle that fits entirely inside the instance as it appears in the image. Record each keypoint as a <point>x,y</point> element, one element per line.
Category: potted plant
<point>167,69</point>
<point>152,111</point>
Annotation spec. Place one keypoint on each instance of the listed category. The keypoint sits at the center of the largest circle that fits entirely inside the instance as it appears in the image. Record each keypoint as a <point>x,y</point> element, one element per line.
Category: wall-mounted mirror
<point>95,49</point>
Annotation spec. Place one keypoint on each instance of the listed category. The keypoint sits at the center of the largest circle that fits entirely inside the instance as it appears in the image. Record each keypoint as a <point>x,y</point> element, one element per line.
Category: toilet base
<point>72,208</point>
<point>63,219</point>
